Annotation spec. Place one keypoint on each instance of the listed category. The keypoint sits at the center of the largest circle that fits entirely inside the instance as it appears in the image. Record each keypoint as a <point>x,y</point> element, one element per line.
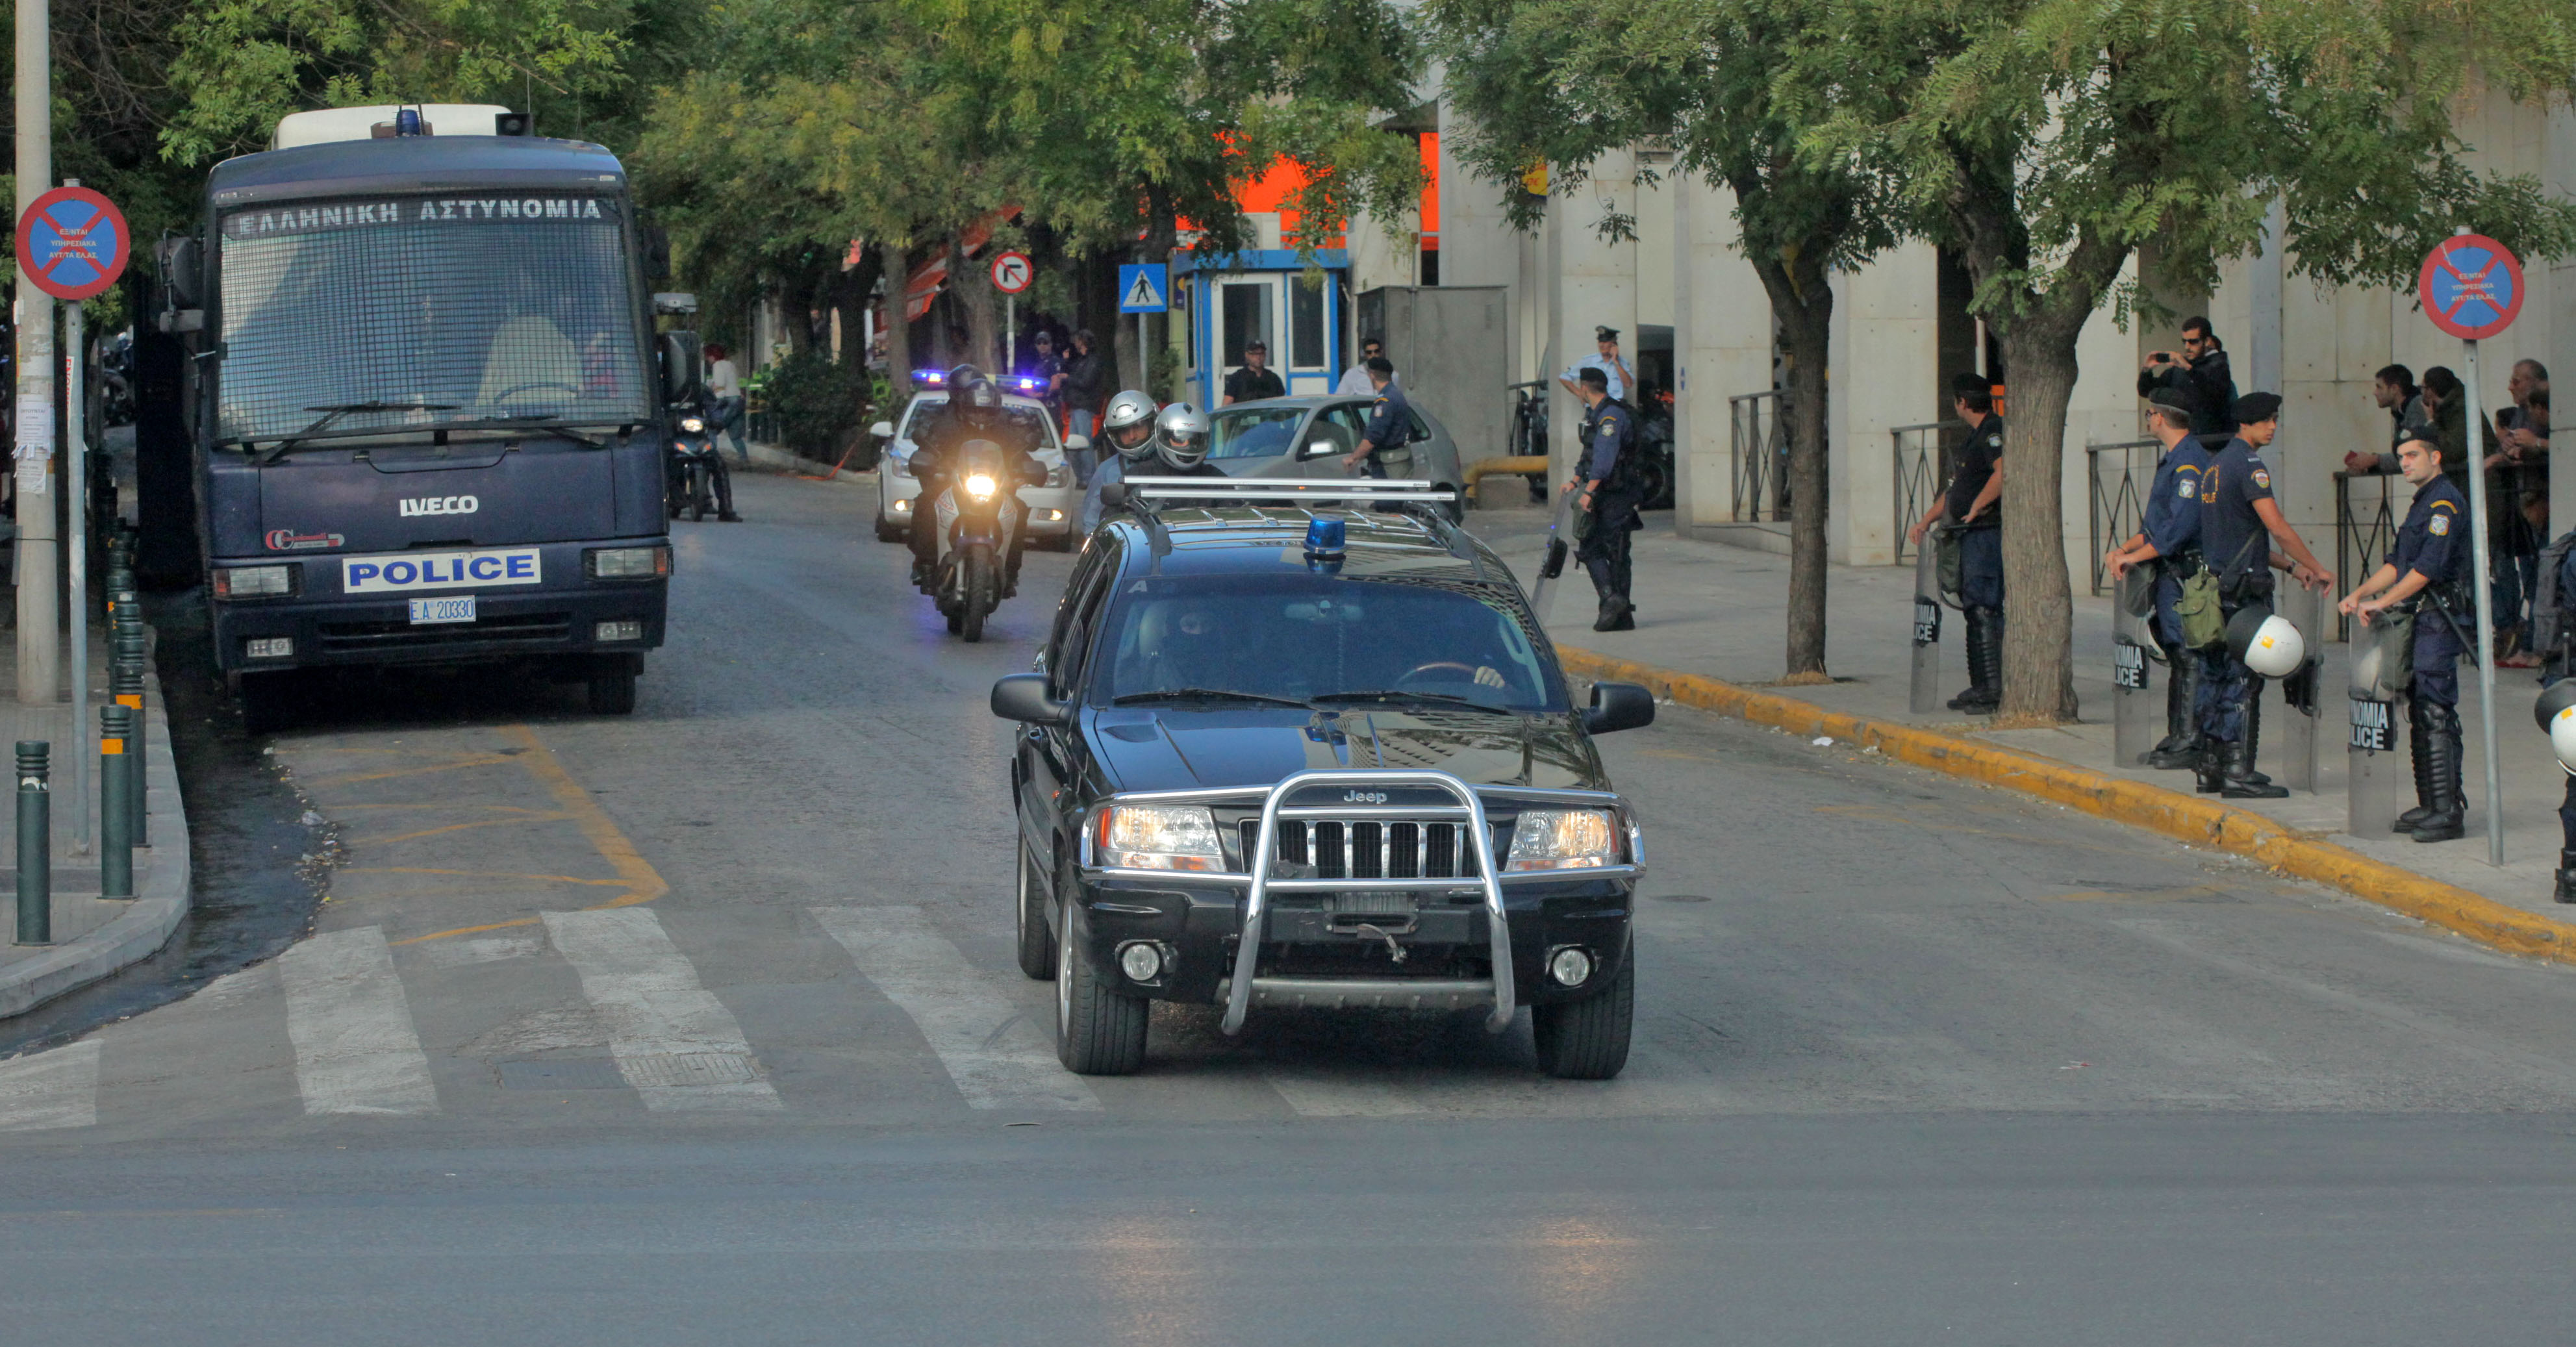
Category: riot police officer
<point>974,412</point>
<point>1127,433</point>
<point>2239,524</point>
<point>2429,570</point>
<point>1973,507</point>
<point>1606,497</point>
<point>1382,450</point>
<point>2170,540</point>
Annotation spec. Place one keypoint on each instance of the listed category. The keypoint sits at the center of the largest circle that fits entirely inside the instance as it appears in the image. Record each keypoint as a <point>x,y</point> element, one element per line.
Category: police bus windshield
<point>427,311</point>
<point>1315,638</point>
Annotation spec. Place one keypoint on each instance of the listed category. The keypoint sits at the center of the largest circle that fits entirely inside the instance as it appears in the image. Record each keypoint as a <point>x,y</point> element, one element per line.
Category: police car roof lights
<point>1025,383</point>
<point>1325,538</point>
<point>930,378</point>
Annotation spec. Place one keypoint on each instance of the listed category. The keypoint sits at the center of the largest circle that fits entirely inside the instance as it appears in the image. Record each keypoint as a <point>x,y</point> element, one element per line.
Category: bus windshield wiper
<point>334,411</point>
<point>1205,694</point>
<point>567,426</point>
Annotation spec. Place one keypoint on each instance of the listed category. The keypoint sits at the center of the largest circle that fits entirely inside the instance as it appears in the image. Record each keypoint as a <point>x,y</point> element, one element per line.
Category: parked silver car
<point>1310,435</point>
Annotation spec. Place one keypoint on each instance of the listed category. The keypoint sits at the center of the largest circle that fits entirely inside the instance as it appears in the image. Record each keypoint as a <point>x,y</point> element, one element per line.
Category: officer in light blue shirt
<point>1617,372</point>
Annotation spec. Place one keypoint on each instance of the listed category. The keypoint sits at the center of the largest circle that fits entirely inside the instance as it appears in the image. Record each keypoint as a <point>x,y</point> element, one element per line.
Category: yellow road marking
<point>476,874</point>
<point>487,760</point>
<point>532,816</point>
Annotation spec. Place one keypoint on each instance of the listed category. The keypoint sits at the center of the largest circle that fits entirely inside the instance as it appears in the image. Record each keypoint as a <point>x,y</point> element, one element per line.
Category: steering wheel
<point>574,389</point>
<point>1466,672</point>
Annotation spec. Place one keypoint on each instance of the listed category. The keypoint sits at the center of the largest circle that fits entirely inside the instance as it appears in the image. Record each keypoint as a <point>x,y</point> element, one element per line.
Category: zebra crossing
<point>356,1047</point>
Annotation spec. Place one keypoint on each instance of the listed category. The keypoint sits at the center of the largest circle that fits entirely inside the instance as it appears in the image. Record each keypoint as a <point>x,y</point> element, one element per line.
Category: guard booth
<point>1233,298</point>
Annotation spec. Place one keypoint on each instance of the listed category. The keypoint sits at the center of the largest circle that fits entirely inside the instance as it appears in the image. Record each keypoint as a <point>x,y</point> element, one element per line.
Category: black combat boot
<point>2419,750</point>
<point>1613,615</point>
<point>2181,746</point>
<point>2566,890</point>
<point>2254,732</point>
<point>2237,765</point>
<point>2449,819</point>
<point>2208,766</point>
<point>1985,663</point>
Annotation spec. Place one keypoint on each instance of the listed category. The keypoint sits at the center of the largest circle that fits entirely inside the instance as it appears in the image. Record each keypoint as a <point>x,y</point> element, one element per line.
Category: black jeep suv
<point>1365,701</point>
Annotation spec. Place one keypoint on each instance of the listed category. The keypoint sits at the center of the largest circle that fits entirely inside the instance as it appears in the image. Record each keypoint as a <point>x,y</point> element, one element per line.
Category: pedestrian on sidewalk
<point>1086,381</point>
<point>1972,507</point>
<point>1606,508</point>
<point>2240,523</point>
<point>2428,575</point>
<point>2517,470</point>
<point>2393,388</point>
<point>2170,540</point>
<point>2199,372</point>
<point>1355,380</point>
<point>725,382</point>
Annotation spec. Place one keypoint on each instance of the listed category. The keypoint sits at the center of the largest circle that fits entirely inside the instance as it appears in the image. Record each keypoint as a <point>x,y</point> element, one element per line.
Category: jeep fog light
<point>619,629</point>
<point>269,647</point>
<point>1140,960</point>
<point>1569,966</point>
<point>1563,839</point>
<point>1159,837</point>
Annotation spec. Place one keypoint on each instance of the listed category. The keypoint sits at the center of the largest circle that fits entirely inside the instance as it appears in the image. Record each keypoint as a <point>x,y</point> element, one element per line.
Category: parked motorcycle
<point>978,514</point>
<point>693,466</point>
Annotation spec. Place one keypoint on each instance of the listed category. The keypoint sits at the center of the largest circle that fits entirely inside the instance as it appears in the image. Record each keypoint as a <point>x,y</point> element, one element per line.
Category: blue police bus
<point>427,406</point>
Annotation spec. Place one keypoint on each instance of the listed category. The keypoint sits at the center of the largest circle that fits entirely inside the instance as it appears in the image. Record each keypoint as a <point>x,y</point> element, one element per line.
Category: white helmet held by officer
<point>2266,643</point>
<point>2556,713</point>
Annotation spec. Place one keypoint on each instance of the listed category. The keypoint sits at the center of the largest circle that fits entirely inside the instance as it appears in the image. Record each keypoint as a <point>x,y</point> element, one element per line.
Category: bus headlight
<point>981,487</point>
<point>254,582</point>
<point>1159,837</point>
<point>1563,839</point>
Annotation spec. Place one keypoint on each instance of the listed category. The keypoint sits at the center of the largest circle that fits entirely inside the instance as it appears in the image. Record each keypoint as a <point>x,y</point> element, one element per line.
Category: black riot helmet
<point>978,399</point>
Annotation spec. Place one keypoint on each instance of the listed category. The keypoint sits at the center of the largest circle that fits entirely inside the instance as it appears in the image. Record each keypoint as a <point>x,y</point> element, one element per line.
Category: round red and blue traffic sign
<point>73,243</point>
<point>2471,286</point>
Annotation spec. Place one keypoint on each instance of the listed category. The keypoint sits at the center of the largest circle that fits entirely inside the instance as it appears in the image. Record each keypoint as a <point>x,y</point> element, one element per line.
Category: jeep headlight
<point>981,487</point>
<point>1159,837</point>
<point>1564,839</point>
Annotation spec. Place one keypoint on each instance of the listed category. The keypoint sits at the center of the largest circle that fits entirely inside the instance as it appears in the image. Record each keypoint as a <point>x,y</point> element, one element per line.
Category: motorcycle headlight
<point>692,424</point>
<point>1159,837</point>
<point>981,487</point>
<point>1563,839</point>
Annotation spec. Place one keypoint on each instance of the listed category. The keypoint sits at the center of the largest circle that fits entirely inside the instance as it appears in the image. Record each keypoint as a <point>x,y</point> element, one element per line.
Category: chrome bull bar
<point>1470,807</point>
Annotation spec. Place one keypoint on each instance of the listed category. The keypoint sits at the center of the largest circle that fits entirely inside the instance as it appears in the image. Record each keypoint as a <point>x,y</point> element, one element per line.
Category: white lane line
<point>50,1089</point>
<point>673,1040</point>
<point>1318,1093</point>
<point>355,1048</point>
<point>1000,1056</point>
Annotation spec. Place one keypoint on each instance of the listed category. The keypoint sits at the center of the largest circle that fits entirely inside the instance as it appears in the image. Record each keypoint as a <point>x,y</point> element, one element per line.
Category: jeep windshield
<point>418,313</point>
<point>1319,640</point>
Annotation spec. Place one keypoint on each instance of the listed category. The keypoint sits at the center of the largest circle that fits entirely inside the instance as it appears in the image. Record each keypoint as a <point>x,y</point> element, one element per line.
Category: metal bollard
<point>35,845</point>
<point>125,682</point>
<point>116,821</point>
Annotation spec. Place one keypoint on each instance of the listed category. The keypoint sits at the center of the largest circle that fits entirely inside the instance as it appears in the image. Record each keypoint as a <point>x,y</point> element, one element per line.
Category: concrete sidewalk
<point>1720,612</point>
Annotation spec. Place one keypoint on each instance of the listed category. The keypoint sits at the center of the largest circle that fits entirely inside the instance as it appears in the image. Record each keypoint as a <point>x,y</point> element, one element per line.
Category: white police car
<point>1053,507</point>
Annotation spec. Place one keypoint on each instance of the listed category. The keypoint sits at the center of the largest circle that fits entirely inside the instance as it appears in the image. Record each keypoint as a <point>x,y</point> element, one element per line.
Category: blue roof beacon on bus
<point>429,409</point>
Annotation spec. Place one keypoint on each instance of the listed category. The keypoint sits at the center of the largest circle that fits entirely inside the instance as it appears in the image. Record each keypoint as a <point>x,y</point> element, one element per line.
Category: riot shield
<point>2381,779</point>
<point>2137,714</point>
<point>2303,608</point>
<point>1926,698</point>
<point>1554,565</point>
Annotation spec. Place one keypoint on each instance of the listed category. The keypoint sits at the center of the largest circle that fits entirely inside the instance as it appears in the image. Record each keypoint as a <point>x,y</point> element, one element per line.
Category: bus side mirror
<point>182,270</point>
<point>684,373</point>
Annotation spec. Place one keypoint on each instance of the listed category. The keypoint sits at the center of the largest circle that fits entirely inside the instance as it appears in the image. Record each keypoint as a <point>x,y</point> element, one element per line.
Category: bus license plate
<point>449,608</point>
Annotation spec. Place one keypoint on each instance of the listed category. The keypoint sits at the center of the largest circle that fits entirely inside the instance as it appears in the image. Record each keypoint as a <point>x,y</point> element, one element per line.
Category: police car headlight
<point>1058,475</point>
<point>254,582</point>
<point>1159,837</point>
<point>1563,839</point>
<point>981,487</point>
<point>692,424</point>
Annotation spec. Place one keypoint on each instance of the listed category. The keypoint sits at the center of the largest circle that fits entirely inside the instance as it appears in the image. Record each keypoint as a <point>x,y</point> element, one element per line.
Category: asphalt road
<point>701,1025</point>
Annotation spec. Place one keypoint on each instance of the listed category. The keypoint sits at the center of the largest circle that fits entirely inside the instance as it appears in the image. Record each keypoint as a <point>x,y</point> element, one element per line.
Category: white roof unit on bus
<point>437,119</point>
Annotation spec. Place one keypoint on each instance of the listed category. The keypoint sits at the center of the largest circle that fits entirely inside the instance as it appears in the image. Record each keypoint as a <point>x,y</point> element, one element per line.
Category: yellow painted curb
<point>2189,817</point>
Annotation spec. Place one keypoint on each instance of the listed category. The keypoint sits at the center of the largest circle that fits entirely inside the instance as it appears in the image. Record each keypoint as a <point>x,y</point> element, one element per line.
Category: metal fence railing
<point>2365,529</point>
<point>1925,456</point>
<point>2118,476</point>
<point>1758,449</point>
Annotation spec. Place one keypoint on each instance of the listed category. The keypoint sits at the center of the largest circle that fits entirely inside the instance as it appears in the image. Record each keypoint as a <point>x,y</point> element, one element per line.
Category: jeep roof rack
<point>1139,493</point>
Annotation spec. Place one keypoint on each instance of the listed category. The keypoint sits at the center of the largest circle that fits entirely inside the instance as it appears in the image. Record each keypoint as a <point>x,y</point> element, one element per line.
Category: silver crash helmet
<point>2556,712</point>
<point>2265,642</point>
<point>1130,413</point>
<point>1181,436</point>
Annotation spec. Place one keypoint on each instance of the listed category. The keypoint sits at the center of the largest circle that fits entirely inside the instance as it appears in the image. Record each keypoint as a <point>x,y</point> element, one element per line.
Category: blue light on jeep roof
<point>1324,538</point>
<point>406,121</point>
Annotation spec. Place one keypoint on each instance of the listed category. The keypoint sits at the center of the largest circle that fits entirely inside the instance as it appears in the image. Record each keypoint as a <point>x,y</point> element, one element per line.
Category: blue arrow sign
<point>1143,287</point>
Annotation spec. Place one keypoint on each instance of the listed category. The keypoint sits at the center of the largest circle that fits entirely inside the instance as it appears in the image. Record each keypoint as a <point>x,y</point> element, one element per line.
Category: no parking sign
<point>73,243</point>
<point>2471,286</point>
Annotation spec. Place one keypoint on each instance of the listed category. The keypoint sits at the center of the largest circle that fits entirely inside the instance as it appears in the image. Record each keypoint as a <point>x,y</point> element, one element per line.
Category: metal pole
<point>1010,331</point>
<point>115,825</point>
<point>1144,361</point>
<point>35,846</point>
<point>39,644</point>
<point>128,689</point>
<point>76,552</point>
<point>2477,455</point>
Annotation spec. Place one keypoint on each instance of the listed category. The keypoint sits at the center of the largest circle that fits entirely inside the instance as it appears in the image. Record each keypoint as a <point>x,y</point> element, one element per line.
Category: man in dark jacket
<point>2200,371</point>
<point>1082,385</point>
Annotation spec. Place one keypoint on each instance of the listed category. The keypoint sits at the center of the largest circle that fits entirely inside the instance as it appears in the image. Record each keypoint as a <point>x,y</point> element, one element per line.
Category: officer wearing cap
<point>2170,539</point>
<point>1973,507</point>
<point>2428,572</point>
<point>2240,523</point>
<point>1607,498</point>
<point>1606,359</point>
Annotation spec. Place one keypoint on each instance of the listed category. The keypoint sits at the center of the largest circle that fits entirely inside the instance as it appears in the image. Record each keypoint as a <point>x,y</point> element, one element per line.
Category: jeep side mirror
<point>684,372</point>
<point>1618,706</point>
<point>1113,495</point>
<point>1023,697</point>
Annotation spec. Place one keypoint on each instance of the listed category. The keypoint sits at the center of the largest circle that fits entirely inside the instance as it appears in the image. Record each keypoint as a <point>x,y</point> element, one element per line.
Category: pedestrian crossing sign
<point>1142,288</point>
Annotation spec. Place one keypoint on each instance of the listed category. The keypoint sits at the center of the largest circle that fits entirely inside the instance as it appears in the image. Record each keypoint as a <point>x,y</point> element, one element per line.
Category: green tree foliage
<point>2045,140</point>
<point>1563,82</point>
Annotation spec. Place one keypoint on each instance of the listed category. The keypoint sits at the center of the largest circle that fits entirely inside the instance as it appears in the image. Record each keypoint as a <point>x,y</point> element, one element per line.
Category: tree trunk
<point>898,269</point>
<point>1805,305</point>
<point>982,307</point>
<point>2039,603</point>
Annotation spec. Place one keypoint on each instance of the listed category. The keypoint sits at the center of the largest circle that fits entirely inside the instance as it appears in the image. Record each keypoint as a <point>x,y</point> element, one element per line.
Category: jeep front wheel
<point>1098,1031</point>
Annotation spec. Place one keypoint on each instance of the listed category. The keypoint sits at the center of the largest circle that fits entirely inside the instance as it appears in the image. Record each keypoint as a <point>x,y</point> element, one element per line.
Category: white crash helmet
<point>2556,713</point>
<point>1127,411</point>
<point>2265,642</point>
<point>1181,436</point>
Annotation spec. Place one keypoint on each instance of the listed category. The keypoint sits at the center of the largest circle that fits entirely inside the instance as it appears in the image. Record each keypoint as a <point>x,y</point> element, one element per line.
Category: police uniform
<point>2172,526</point>
<point>2238,548</point>
<point>1981,565</point>
<point>1389,431</point>
<point>1609,434</point>
<point>2433,543</point>
<point>938,443</point>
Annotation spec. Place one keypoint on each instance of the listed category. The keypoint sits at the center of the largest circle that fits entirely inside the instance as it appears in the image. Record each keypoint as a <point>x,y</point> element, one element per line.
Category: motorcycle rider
<point>974,412</point>
<point>720,478</point>
<point>1127,433</point>
<point>1181,450</point>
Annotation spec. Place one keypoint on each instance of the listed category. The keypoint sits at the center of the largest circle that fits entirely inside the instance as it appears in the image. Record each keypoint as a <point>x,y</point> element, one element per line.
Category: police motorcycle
<point>978,518</point>
<point>693,466</point>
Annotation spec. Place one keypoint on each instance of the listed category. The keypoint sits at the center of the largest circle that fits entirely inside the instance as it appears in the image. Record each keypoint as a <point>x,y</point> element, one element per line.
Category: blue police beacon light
<point>1324,545</point>
<point>406,121</point>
